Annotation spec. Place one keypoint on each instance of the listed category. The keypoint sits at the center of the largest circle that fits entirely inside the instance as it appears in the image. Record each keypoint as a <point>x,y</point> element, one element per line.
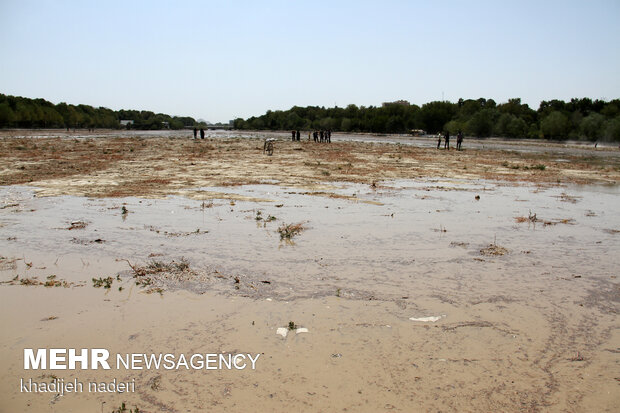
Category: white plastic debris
<point>282,331</point>
<point>269,299</point>
<point>301,330</point>
<point>430,319</point>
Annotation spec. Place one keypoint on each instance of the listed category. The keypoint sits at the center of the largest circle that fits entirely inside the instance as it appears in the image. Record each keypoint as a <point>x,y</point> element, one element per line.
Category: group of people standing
<point>319,136</point>
<point>202,133</point>
<point>322,136</point>
<point>446,137</point>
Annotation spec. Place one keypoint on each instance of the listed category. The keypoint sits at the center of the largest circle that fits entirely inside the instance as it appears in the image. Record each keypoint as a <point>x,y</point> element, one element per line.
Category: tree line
<point>20,112</point>
<point>584,119</point>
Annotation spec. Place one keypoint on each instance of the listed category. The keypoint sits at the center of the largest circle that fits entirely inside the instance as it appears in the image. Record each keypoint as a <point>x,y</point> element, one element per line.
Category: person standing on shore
<point>195,133</point>
<point>202,133</point>
<point>446,144</point>
<point>459,140</point>
<point>298,135</point>
<point>438,140</point>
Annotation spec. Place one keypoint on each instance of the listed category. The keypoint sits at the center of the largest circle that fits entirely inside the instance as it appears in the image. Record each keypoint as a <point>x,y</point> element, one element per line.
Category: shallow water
<point>366,267</point>
<point>416,236</point>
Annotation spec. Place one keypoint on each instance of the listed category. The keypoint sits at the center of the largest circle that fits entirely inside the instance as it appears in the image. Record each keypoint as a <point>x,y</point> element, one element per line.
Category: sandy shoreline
<point>526,306</point>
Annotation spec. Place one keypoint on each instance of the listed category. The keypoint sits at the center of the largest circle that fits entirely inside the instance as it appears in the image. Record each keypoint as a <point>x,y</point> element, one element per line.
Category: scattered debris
<point>103,282</point>
<point>301,330</point>
<point>494,249</point>
<point>288,231</point>
<point>530,218</point>
<point>564,197</point>
<point>123,409</point>
<point>152,290</point>
<point>77,225</point>
<point>577,357</point>
<point>50,281</point>
<point>567,221</point>
<point>7,264</point>
<point>156,230</point>
<point>50,318</point>
<point>82,241</point>
<point>429,319</point>
<point>158,276</point>
<point>155,383</point>
<point>470,324</point>
<point>282,331</point>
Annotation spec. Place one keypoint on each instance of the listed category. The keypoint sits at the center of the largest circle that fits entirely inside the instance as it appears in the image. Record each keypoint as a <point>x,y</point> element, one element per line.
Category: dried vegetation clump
<point>77,225</point>
<point>160,275</point>
<point>531,218</point>
<point>50,281</point>
<point>288,231</point>
<point>155,273</point>
<point>494,250</point>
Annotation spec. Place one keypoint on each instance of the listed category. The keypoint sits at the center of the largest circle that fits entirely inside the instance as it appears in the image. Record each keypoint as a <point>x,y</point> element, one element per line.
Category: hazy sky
<point>219,60</point>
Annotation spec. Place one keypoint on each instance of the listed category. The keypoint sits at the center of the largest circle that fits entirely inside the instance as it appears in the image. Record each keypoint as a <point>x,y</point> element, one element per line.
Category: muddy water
<point>528,310</point>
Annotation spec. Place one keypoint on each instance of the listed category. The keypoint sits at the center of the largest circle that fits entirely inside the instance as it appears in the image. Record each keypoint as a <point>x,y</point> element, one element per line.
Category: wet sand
<point>527,306</point>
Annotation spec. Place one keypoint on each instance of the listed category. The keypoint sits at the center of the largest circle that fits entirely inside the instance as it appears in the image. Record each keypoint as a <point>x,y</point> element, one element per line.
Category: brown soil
<point>117,167</point>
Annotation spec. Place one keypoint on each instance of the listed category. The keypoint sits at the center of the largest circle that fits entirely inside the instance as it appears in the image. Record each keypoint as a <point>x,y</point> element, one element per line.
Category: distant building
<point>396,102</point>
<point>417,132</point>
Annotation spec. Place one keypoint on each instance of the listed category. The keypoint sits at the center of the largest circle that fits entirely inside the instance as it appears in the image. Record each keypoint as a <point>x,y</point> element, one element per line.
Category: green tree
<point>592,126</point>
<point>7,117</point>
<point>481,124</point>
<point>346,124</point>
<point>612,129</point>
<point>517,128</point>
<point>555,125</point>
<point>435,115</point>
<point>454,127</point>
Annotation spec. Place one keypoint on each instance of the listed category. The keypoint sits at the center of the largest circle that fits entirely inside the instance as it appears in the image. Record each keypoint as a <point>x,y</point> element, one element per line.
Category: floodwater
<point>527,306</point>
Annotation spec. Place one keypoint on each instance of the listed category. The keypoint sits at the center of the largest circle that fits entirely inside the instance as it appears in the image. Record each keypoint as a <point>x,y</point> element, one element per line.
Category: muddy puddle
<point>417,295</point>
